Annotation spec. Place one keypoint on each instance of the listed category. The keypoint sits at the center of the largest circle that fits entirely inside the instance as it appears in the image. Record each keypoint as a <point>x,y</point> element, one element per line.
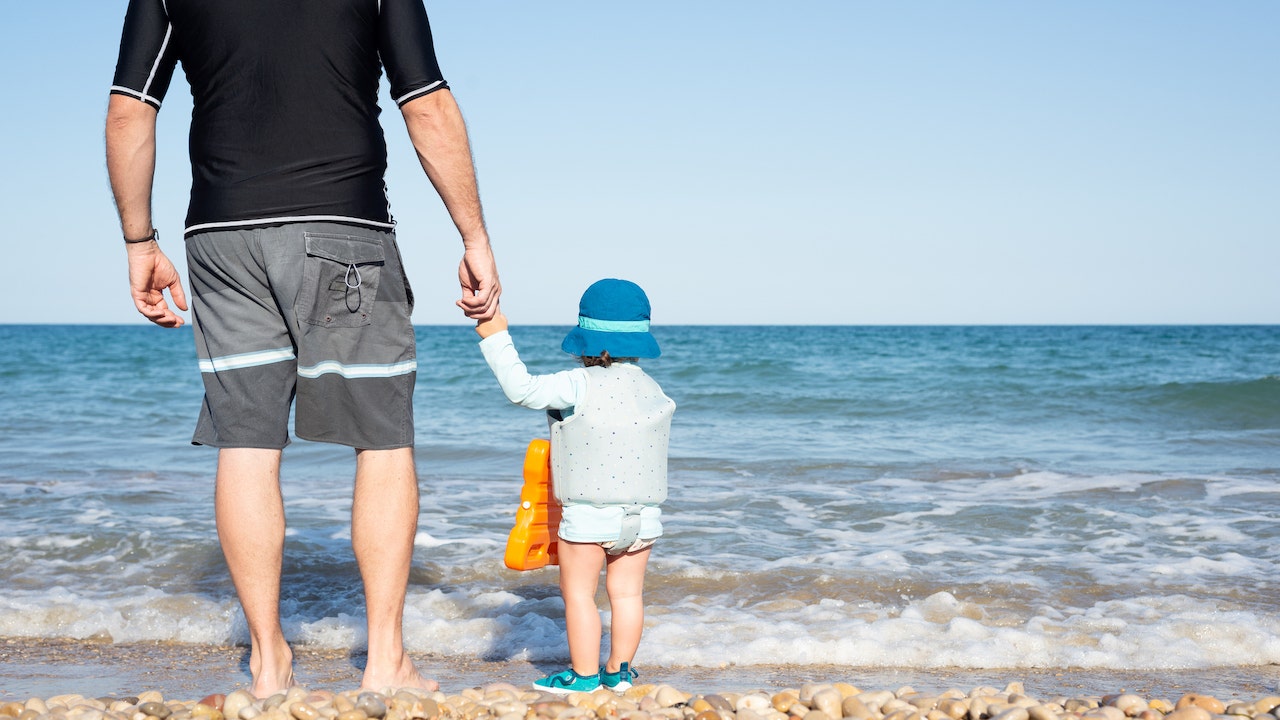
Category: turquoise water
<point>1101,497</point>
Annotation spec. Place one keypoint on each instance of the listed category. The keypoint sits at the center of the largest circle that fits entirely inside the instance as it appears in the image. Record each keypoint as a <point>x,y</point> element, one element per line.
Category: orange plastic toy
<point>532,542</point>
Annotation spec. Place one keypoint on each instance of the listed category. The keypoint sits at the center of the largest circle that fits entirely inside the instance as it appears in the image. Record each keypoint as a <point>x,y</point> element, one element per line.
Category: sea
<point>1101,497</point>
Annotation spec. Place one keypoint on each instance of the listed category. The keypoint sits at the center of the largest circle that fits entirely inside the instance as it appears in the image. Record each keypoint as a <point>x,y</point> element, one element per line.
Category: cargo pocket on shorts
<point>340,279</point>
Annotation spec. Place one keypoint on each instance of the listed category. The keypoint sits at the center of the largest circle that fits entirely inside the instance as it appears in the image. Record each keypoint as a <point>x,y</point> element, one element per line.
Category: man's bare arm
<point>131,162</point>
<point>439,136</point>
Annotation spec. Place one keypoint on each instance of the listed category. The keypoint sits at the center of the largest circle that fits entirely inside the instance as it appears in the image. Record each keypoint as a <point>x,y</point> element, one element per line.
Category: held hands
<point>496,324</point>
<point>478,276</point>
<point>150,274</point>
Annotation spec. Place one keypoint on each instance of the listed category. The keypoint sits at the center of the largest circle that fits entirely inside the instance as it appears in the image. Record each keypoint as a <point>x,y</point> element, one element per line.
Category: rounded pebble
<point>1013,713</point>
<point>1190,712</point>
<point>875,697</point>
<point>852,707</point>
<point>371,705</point>
<point>1129,704</point>
<point>757,702</point>
<point>1104,712</point>
<point>954,707</point>
<point>206,712</point>
<point>808,690</point>
<point>667,696</point>
<point>1079,705</point>
<point>155,709</point>
<point>719,702</point>
<point>828,700</point>
<point>1208,702</point>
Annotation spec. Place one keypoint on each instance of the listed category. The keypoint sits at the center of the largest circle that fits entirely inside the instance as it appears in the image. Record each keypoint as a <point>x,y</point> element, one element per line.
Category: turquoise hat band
<point>587,323</point>
<point>613,318</point>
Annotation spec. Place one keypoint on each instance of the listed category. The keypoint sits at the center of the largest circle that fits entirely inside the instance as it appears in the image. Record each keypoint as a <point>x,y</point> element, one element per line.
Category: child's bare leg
<point>624,580</point>
<point>580,565</point>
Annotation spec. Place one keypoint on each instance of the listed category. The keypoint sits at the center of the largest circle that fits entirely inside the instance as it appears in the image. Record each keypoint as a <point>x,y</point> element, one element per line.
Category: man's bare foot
<point>272,672</point>
<point>262,689</point>
<point>400,675</point>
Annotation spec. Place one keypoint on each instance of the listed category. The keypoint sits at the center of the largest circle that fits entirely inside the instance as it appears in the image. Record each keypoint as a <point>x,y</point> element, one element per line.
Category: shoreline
<point>42,667</point>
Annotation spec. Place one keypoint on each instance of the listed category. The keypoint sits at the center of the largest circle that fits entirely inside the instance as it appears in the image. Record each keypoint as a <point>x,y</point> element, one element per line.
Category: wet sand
<point>39,667</point>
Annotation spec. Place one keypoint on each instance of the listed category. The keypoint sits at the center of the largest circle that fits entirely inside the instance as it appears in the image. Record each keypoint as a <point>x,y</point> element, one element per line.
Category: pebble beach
<point>501,699</point>
<point>75,680</point>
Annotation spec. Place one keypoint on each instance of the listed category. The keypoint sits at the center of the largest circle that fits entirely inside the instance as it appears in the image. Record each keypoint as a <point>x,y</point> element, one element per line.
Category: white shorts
<point>580,522</point>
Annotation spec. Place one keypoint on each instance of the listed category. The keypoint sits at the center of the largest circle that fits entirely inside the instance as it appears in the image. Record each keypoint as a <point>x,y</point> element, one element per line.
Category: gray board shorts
<point>318,310</point>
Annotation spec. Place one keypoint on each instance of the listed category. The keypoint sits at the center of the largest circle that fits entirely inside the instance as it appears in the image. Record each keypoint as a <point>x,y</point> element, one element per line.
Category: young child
<point>610,424</point>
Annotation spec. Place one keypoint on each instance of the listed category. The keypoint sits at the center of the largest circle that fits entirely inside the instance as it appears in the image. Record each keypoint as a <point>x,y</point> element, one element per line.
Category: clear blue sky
<point>759,162</point>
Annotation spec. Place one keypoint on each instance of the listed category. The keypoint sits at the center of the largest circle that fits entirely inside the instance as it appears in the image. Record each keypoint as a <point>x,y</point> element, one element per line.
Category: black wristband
<point>155,235</point>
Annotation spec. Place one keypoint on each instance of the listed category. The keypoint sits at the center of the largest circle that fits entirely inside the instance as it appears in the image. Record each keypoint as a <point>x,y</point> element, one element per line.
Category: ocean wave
<point>938,631</point>
<point>1237,404</point>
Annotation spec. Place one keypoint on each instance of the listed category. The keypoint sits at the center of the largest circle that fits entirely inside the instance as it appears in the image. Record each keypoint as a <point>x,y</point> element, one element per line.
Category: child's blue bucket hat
<point>613,315</point>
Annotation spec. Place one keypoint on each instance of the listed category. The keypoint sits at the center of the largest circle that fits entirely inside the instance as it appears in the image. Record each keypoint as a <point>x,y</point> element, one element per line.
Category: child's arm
<point>496,324</point>
<point>540,392</point>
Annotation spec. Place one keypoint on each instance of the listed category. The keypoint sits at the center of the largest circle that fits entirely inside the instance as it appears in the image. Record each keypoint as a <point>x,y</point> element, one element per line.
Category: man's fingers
<point>480,315</point>
<point>480,306</point>
<point>169,320</point>
<point>482,296</point>
<point>157,311</point>
<point>179,295</point>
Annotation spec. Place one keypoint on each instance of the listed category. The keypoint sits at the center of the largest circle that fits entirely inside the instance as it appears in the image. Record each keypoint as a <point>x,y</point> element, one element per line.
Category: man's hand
<point>478,276</point>
<point>150,274</point>
<point>497,324</point>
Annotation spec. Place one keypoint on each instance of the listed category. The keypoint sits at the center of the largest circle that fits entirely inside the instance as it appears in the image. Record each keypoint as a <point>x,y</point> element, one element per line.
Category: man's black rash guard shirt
<point>284,126</point>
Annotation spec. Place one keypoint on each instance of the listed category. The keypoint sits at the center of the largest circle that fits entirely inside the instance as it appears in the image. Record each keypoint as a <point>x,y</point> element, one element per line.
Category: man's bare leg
<point>250,519</point>
<point>384,521</point>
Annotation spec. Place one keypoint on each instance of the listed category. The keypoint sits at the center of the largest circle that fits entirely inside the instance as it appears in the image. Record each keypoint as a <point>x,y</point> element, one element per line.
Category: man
<point>296,278</point>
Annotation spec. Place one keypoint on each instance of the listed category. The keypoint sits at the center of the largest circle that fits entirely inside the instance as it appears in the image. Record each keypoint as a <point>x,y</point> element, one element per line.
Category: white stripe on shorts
<point>244,360</point>
<point>332,367</point>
